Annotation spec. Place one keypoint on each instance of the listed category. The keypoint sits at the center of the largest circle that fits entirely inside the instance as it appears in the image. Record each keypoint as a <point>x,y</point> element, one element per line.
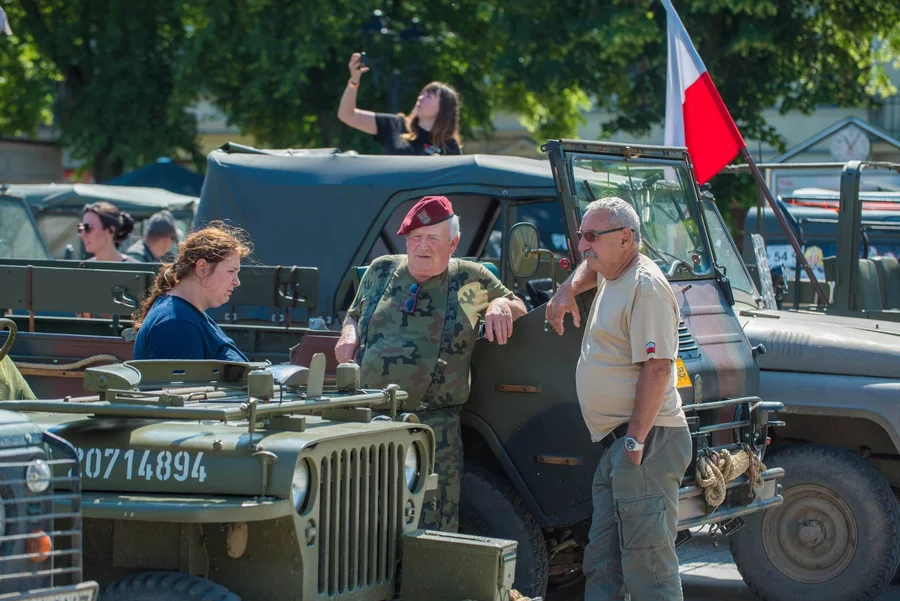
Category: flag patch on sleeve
<point>651,347</point>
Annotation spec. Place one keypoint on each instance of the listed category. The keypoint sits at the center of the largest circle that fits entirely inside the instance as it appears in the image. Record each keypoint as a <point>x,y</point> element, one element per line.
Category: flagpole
<point>779,214</point>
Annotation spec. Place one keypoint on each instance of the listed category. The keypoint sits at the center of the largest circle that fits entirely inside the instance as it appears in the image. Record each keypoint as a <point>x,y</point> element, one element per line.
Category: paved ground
<point>708,574</point>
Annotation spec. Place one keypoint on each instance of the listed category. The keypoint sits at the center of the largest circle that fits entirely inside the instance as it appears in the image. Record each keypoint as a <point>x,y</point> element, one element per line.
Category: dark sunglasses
<point>592,235</point>
<point>85,228</point>
<point>413,299</point>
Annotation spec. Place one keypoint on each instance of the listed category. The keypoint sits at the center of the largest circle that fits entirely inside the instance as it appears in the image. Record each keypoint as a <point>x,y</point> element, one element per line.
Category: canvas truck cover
<point>57,208</point>
<point>137,201</point>
<point>315,209</point>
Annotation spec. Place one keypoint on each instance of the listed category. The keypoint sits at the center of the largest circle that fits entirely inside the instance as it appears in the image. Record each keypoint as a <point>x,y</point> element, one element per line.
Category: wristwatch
<point>631,444</point>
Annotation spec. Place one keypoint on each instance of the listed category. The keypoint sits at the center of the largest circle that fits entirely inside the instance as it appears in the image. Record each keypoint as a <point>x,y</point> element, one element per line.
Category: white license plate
<point>86,591</point>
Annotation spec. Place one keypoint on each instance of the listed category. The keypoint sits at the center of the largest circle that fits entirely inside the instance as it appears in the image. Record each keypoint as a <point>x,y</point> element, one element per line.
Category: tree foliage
<point>544,60</point>
<point>122,73</point>
<point>790,55</point>
<point>107,72</point>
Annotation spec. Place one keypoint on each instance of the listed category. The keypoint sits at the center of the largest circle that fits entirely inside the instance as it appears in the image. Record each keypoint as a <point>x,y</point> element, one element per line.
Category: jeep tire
<point>836,536</point>
<point>491,507</point>
<point>166,586</point>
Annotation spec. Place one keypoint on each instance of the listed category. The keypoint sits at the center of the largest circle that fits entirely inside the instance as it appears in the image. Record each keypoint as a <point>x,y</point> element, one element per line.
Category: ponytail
<point>165,280</point>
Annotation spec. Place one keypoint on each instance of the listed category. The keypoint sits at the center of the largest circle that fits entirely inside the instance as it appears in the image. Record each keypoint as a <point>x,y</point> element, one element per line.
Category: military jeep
<point>213,480</point>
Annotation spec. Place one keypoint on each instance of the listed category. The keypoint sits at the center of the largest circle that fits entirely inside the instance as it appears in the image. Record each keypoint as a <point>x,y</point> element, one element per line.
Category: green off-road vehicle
<point>40,512</point>
<point>217,481</point>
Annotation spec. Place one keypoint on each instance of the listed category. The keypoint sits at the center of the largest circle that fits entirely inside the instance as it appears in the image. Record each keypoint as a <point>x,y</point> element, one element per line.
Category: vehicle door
<point>523,393</point>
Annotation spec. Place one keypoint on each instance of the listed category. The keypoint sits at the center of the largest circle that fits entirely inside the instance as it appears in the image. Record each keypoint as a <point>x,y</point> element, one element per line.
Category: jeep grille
<point>360,517</point>
<point>55,512</point>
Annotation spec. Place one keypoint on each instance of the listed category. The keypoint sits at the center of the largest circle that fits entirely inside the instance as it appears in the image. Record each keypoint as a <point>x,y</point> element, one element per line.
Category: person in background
<point>431,128</point>
<point>102,229</point>
<point>172,322</point>
<point>160,235</point>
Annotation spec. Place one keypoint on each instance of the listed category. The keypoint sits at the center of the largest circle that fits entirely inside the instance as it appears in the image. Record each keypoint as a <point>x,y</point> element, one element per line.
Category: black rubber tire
<point>827,482</point>
<point>166,586</point>
<point>491,507</point>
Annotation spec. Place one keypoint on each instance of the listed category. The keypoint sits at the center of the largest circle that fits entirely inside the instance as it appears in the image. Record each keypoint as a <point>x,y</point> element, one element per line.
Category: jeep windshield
<point>19,236</point>
<point>661,192</point>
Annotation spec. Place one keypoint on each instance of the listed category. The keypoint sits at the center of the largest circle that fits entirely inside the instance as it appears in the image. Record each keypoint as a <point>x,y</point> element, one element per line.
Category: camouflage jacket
<point>422,352</point>
<point>13,386</point>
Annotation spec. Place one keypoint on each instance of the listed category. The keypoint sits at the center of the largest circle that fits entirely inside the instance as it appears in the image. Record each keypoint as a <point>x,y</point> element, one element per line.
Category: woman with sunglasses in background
<point>102,229</point>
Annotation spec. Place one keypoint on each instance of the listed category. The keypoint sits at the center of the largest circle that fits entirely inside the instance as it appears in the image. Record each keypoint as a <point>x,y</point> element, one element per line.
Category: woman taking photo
<point>172,323</point>
<point>102,229</point>
<point>432,127</point>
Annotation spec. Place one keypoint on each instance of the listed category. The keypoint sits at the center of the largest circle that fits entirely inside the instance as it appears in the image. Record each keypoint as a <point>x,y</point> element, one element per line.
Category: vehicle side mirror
<point>724,284</point>
<point>779,283</point>
<point>524,250</point>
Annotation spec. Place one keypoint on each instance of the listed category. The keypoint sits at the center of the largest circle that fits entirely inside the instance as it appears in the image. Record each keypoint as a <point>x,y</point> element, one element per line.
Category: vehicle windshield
<point>671,230</point>
<point>19,238</point>
<point>726,251</point>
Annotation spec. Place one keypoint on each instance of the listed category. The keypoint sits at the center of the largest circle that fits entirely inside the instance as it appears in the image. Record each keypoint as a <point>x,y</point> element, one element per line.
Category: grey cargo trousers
<point>631,548</point>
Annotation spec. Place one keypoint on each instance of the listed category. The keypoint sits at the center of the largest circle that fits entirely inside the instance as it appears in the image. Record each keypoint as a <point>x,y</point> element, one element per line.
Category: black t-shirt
<point>390,135</point>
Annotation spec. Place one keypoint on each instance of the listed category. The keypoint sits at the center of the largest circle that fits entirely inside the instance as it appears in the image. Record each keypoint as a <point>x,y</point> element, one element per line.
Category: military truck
<point>851,239</point>
<point>57,210</point>
<point>218,481</point>
<point>19,234</point>
<point>837,531</point>
<point>40,513</point>
<point>529,459</point>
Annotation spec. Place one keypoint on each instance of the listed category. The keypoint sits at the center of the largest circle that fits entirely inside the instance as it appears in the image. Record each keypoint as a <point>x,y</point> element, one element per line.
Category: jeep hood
<point>815,343</point>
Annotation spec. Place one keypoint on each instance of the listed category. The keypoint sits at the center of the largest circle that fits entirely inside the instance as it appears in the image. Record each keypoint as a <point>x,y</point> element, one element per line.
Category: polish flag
<point>696,117</point>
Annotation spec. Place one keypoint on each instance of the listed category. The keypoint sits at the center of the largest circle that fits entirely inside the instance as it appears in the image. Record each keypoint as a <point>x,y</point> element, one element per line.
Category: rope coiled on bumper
<point>716,468</point>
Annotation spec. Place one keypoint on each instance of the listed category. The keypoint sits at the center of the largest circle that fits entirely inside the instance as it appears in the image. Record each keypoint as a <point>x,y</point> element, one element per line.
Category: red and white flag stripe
<point>696,117</point>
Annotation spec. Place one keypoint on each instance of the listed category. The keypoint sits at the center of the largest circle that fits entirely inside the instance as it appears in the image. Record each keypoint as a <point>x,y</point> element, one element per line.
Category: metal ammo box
<point>474,568</point>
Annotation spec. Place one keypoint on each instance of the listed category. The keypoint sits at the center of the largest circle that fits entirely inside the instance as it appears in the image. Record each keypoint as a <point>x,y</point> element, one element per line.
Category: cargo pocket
<point>642,522</point>
<point>670,584</point>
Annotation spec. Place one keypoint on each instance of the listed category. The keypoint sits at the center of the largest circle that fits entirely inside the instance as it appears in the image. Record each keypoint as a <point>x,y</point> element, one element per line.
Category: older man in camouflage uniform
<point>414,322</point>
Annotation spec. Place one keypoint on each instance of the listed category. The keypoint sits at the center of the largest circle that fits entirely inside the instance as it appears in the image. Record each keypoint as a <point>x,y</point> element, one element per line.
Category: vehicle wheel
<point>836,536</point>
<point>166,586</point>
<point>490,507</point>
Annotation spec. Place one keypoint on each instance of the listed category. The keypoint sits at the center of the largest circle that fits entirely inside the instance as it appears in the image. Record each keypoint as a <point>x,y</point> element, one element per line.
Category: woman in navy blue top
<point>172,323</point>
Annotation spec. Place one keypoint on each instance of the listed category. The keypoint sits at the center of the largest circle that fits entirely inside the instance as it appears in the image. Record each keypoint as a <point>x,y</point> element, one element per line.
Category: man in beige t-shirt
<point>626,388</point>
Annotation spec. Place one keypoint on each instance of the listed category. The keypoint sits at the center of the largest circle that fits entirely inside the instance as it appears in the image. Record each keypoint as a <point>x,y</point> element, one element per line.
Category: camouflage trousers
<point>441,512</point>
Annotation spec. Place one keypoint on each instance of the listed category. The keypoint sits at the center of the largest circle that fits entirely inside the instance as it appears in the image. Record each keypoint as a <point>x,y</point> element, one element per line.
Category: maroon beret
<point>428,211</point>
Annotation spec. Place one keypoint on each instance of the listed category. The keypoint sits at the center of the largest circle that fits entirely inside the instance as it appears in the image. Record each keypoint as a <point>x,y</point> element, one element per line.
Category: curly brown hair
<point>214,243</point>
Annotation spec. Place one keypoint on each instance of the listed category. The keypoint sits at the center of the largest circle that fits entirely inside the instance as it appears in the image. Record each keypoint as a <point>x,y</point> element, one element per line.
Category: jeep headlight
<point>38,476</point>
<point>411,467</point>
<point>300,485</point>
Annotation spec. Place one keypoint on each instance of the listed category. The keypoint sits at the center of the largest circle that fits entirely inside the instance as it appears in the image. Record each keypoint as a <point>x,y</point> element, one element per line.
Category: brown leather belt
<point>617,433</point>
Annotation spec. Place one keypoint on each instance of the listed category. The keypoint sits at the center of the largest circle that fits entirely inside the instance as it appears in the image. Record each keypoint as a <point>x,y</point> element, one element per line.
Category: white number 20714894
<point>145,465</point>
